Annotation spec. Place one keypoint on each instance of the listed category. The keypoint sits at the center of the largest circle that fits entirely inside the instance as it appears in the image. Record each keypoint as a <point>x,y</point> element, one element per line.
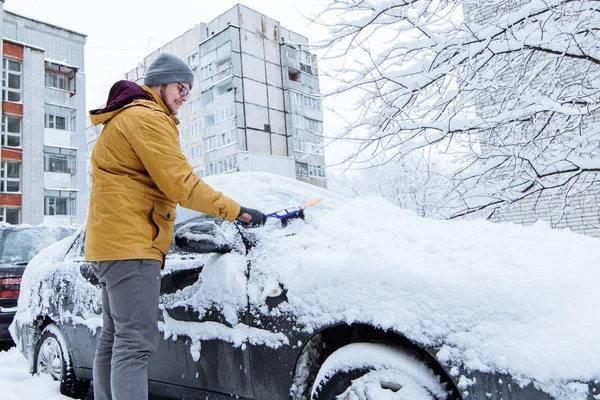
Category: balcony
<point>295,85</point>
<point>220,99</point>
<point>293,64</point>
<point>222,74</point>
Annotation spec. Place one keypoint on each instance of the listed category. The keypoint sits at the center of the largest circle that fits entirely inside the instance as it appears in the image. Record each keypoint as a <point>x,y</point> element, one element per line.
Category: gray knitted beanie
<point>167,68</point>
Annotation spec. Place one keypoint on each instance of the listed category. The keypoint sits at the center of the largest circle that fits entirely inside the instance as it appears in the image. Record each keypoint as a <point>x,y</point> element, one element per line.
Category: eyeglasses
<point>183,91</point>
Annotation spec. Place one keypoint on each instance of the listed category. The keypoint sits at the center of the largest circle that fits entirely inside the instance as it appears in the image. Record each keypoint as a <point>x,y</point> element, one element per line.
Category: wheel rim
<point>49,359</point>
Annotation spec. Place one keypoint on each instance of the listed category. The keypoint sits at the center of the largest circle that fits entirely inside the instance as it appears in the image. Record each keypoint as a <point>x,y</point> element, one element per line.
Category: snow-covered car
<point>359,298</point>
<point>18,245</point>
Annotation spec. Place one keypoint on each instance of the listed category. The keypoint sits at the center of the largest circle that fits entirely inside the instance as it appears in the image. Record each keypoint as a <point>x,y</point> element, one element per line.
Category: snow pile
<point>17,383</point>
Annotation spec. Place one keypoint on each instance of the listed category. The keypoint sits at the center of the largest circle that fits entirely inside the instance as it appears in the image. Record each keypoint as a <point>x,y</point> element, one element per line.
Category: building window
<point>301,169</point>
<point>313,125</point>
<point>308,58</point>
<point>195,129</point>
<point>210,144</point>
<point>304,169</point>
<point>223,70</point>
<point>224,113</point>
<point>292,53</point>
<point>226,138</point>
<point>59,202</point>
<point>300,145</point>
<point>295,76</point>
<point>193,60</point>
<point>193,105</point>
<point>316,171</point>
<point>220,140</point>
<point>312,102</point>
<point>208,120</point>
<point>298,121</point>
<point>207,96</point>
<point>10,177</point>
<point>210,168</point>
<point>57,159</point>
<point>303,100</point>
<point>304,146</point>
<point>11,131</point>
<point>315,148</point>
<point>227,164</point>
<point>195,153</point>
<point>11,80</point>
<point>220,166</point>
<point>60,76</point>
<point>296,98</point>
<point>310,81</point>
<point>206,72</point>
<point>308,63</point>
<point>10,215</point>
<point>199,173</point>
<point>62,118</point>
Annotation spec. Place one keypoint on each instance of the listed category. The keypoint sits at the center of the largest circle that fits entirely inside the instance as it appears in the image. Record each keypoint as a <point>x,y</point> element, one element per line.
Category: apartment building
<point>255,105</point>
<point>43,154</point>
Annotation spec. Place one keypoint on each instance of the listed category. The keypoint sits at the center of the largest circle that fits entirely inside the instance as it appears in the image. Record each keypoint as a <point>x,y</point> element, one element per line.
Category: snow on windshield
<point>21,243</point>
<point>487,296</point>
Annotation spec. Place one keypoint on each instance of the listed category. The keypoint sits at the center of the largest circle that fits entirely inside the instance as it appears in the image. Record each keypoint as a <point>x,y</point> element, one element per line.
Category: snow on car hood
<point>492,296</point>
<point>489,296</point>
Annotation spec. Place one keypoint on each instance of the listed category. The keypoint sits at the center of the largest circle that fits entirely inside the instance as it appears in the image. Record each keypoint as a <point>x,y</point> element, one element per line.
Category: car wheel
<point>369,371</point>
<point>51,357</point>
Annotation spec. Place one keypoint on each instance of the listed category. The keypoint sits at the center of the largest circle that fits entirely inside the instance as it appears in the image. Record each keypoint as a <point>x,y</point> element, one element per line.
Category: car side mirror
<point>202,237</point>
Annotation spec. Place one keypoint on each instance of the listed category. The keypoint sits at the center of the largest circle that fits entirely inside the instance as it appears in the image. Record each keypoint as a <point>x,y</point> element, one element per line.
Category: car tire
<point>369,370</point>
<point>52,357</point>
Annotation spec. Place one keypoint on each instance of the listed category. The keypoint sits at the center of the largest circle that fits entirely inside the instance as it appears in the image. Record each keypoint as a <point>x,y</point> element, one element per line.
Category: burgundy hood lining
<point>122,93</point>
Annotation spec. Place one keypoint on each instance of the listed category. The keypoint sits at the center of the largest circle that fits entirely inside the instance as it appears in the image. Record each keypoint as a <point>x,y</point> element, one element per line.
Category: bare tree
<point>510,89</point>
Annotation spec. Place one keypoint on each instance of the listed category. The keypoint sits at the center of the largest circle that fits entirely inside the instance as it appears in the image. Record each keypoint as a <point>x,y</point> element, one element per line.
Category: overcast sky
<point>121,32</point>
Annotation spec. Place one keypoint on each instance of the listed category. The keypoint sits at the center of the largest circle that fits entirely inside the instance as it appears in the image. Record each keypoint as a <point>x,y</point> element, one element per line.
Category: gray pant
<point>130,292</point>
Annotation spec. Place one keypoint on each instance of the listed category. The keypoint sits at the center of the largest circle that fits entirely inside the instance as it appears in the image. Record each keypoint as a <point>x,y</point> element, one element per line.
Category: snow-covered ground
<point>17,384</point>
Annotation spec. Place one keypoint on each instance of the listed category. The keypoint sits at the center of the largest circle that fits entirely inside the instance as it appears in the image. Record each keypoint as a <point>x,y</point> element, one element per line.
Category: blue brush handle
<point>281,214</point>
<point>285,213</point>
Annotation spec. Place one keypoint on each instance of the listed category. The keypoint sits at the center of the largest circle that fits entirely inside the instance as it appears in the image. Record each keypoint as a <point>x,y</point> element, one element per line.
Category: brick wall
<point>581,214</point>
<point>13,51</point>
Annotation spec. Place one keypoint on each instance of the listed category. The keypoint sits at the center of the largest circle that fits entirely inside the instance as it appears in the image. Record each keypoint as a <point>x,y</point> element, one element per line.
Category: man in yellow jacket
<point>139,174</point>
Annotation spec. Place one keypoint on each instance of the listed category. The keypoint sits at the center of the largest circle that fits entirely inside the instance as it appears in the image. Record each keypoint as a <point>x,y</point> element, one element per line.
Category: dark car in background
<point>18,245</point>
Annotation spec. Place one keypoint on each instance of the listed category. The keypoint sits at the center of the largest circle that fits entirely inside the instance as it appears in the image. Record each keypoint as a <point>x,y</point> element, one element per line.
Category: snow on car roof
<point>488,296</point>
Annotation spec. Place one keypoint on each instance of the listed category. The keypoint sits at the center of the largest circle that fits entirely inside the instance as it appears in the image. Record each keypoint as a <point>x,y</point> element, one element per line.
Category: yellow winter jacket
<point>139,174</point>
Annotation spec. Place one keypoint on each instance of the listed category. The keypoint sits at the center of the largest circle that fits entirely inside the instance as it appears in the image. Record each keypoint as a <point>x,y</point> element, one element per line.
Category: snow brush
<point>291,213</point>
<point>287,214</point>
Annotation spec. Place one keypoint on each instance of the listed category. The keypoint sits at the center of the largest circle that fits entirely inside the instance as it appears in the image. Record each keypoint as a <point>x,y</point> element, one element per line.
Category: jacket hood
<point>122,94</point>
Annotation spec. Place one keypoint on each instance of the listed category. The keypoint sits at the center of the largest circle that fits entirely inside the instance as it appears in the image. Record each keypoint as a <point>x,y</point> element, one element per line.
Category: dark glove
<point>257,218</point>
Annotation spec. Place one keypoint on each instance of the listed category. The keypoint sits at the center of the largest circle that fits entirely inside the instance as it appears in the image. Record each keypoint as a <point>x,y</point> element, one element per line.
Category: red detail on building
<point>11,154</point>
<point>12,108</point>
<point>13,50</point>
<point>10,200</point>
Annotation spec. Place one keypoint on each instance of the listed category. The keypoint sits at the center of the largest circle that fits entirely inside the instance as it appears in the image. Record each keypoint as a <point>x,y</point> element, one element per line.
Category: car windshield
<point>21,245</point>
